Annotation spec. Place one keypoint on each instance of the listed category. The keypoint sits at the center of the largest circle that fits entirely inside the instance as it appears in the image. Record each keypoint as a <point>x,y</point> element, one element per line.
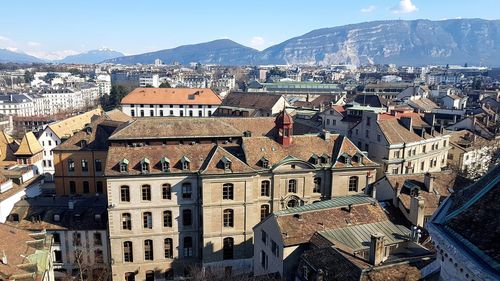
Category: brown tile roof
<point>423,104</point>
<point>100,130</point>
<point>264,101</point>
<point>348,148</point>
<point>299,230</point>
<point>29,145</point>
<point>395,133</point>
<point>7,147</point>
<point>215,165</point>
<point>67,127</point>
<point>172,96</point>
<point>117,115</point>
<point>444,183</point>
<point>186,127</point>
<point>467,140</point>
<point>18,246</point>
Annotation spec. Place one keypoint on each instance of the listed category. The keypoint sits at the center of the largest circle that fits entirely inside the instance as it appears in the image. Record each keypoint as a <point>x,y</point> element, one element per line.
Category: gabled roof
<point>218,153</point>
<point>172,96</point>
<point>67,127</point>
<point>7,147</point>
<point>29,145</point>
<point>250,100</point>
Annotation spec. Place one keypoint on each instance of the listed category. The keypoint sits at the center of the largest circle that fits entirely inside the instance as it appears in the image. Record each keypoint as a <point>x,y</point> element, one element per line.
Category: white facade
<point>140,110</point>
<point>49,140</point>
<point>153,80</point>
<point>7,204</point>
<point>17,105</point>
<point>103,82</point>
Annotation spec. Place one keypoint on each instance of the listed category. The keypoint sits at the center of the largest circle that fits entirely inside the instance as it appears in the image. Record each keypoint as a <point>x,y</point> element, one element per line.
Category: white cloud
<point>34,44</point>
<point>4,39</point>
<point>12,49</point>
<point>368,9</point>
<point>257,42</point>
<point>404,7</point>
<point>54,55</point>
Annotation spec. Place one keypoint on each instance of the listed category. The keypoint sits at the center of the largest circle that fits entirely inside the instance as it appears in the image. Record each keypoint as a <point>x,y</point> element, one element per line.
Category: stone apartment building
<point>79,162</point>
<point>189,191</point>
<point>402,142</point>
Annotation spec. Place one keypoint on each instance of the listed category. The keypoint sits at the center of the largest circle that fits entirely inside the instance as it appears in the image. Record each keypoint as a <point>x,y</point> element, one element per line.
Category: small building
<point>454,101</point>
<point>251,105</point>
<point>465,232</point>
<point>158,102</point>
<point>25,255</point>
<point>30,152</point>
<point>282,237</point>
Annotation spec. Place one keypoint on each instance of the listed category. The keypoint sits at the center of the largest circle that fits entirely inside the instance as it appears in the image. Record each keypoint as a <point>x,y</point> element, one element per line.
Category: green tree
<point>28,76</point>
<point>165,85</point>
<point>113,100</point>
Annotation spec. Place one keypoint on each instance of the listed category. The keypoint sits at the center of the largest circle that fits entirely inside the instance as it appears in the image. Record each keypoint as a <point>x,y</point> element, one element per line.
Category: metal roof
<point>358,237</point>
<point>328,204</point>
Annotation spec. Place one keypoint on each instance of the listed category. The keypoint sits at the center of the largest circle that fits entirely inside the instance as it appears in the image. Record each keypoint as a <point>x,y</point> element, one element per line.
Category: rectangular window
<point>71,165</point>
<point>125,194</point>
<point>85,165</point>
<point>146,193</point>
<point>263,260</point>
<point>86,188</point>
<point>98,165</point>
<point>395,171</point>
<point>274,248</point>
<point>147,218</point>
<point>57,256</point>
<point>72,187</point>
<point>97,239</point>
<point>200,113</point>
<point>148,250</point>
<point>264,237</point>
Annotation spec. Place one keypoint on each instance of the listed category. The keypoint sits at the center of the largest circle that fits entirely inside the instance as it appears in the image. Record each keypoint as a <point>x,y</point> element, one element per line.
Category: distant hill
<point>416,42</point>
<point>90,57</point>
<point>9,56</point>
<point>223,51</point>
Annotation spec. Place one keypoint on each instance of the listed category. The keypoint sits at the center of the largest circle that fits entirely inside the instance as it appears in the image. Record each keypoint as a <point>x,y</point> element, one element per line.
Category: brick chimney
<point>377,246</point>
<point>429,182</point>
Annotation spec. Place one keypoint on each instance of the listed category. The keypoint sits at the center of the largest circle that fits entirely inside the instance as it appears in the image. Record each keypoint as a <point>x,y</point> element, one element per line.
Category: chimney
<point>326,134</point>
<point>374,191</point>
<point>429,182</point>
<point>350,208</point>
<point>377,249</point>
<point>397,192</point>
<point>417,211</point>
<point>407,123</point>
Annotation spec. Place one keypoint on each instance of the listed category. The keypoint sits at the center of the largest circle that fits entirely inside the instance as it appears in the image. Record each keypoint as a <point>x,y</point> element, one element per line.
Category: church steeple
<point>284,124</point>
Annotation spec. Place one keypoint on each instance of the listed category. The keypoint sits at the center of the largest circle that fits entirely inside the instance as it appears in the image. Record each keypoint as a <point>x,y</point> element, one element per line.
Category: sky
<point>53,29</point>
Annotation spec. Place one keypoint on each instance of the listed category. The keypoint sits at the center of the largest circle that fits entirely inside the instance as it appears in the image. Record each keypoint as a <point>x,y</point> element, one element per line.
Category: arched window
<point>126,221</point>
<point>188,246</point>
<point>148,250</point>
<point>125,193</point>
<point>187,190</point>
<point>147,220</point>
<point>228,248</point>
<point>130,276</point>
<point>353,184</point>
<point>187,217</point>
<point>292,203</point>
<point>128,253</point>
<point>228,216</point>
<point>169,248</point>
<point>167,218</point>
<point>317,185</point>
<point>228,191</point>
<point>166,191</point>
<point>265,187</point>
<point>264,211</point>
<point>145,166</point>
<point>292,186</point>
<point>146,192</point>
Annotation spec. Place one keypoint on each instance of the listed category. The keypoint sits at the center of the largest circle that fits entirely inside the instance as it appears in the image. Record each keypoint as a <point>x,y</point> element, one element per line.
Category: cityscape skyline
<point>107,25</point>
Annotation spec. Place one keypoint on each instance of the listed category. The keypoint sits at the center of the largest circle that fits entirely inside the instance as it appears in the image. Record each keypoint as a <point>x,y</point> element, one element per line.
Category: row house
<point>158,102</point>
<point>403,143</point>
<point>189,191</point>
<point>78,227</point>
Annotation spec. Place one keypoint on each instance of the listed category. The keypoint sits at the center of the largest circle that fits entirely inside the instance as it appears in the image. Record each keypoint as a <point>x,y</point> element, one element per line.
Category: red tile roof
<point>172,96</point>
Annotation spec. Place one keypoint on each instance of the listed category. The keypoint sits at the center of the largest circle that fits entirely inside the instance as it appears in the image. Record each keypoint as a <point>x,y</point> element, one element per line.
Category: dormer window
<point>82,143</point>
<point>97,217</point>
<point>145,166</point>
<point>315,159</point>
<point>264,163</point>
<point>325,159</point>
<point>88,130</point>
<point>165,164</point>
<point>226,163</point>
<point>345,158</point>
<point>57,217</point>
<point>185,163</point>
<point>358,157</point>
<point>124,165</point>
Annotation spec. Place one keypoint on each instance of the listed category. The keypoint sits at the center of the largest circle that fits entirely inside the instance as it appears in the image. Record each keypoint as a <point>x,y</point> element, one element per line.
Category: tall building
<point>184,191</point>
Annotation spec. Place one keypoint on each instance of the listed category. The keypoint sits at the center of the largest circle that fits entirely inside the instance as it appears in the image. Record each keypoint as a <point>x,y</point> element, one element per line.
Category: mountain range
<point>414,42</point>
<point>90,57</point>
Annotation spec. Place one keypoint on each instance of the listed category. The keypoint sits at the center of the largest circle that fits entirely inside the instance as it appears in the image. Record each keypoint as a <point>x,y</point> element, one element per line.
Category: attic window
<point>14,217</point>
<point>124,165</point>
<point>264,163</point>
<point>185,163</point>
<point>325,159</point>
<point>82,143</point>
<point>88,130</point>
<point>226,163</point>
<point>97,217</point>
<point>358,158</point>
<point>145,166</point>
<point>57,217</point>
<point>165,164</point>
<point>314,159</point>
<point>345,158</point>
<point>247,134</point>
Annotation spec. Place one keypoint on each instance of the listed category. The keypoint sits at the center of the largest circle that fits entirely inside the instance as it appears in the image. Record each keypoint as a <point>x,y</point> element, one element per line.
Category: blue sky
<point>56,28</point>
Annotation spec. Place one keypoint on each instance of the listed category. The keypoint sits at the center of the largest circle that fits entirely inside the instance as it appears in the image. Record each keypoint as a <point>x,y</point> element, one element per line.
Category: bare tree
<point>88,271</point>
